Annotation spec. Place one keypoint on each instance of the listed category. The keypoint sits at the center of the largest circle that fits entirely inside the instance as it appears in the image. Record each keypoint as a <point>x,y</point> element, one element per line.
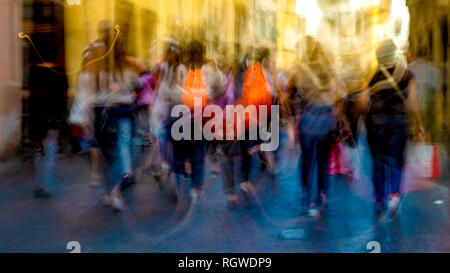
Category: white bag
<point>420,159</point>
<point>81,112</point>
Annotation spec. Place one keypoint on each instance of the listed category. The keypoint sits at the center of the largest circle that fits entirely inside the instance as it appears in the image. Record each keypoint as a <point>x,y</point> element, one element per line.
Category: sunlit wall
<point>350,29</point>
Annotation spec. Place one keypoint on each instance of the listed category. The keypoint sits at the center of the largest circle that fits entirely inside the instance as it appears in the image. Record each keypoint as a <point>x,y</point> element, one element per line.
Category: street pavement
<point>273,222</point>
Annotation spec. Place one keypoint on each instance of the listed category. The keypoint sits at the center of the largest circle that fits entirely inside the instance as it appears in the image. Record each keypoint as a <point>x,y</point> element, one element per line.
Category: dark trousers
<point>383,173</point>
<point>193,151</point>
<point>230,156</point>
<point>245,146</point>
<point>317,126</point>
<point>105,140</point>
<point>314,147</point>
<point>387,137</point>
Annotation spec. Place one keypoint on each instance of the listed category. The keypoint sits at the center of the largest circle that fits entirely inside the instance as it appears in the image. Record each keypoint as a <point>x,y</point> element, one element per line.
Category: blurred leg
<point>107,145</point>
<point>323,155</point>
<point>50,152</point>
<point>379,180</point>
<point>245,160</point>
<point>94,154</point>
<point>228,174</point>
<point>198,162</point>
<point>38,158</point>
<point>124,145</point>
<point>307,144</point>
<point>396,175</point>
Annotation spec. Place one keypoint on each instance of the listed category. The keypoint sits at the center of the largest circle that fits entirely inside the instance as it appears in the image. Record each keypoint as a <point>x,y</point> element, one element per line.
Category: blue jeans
<point>44,155</point>
<point>124,145</point>
<point>113,134</point>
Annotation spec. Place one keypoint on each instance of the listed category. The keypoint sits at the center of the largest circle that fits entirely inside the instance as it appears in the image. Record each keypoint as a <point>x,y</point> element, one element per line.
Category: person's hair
<point>172,54</point>
<point>105,31</point>
<point>119,55</point>
<point>262,53</point>
<point>195,53</point>
<point>317,61</point>
<point>386,52</point>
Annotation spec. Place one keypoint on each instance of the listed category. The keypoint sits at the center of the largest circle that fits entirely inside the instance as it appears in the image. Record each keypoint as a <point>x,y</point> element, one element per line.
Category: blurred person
<point>254,87</point>
<point>315,82</point>
<point>218,79</point>
<point>110,96</point>
<point>145,100</point>
<point>190,154</point>
<point>227,154</point>
<point>82,113</point>
<point>270,74</point>
<point>169,75</point>
<point>391,97</point>
<point>48,112</point>
<point>119,96</point>
<point>429,83</point>
<point>352,108</point>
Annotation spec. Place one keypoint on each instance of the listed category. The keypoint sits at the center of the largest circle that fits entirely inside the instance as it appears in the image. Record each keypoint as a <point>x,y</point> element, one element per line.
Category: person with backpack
<point>257,89</point>
<point>315,80</point>
<point>191,153</point>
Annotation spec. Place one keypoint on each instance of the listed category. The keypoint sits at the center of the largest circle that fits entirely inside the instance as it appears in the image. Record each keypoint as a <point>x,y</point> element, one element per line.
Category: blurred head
<point>120,54</point>
<point>262,54</point>
<point>311,51</point>
<point>317,66</point>
<point>195,53</point>
<point>386,52</point>
<point>172,53</point>
<point>105,31</point>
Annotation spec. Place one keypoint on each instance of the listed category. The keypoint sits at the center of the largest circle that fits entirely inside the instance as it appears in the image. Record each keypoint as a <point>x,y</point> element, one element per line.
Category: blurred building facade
<point>10,77</point>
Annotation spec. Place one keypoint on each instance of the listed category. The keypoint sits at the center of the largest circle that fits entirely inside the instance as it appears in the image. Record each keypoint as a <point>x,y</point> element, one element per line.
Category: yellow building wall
<point>174,18</point>
<point>184,19</point>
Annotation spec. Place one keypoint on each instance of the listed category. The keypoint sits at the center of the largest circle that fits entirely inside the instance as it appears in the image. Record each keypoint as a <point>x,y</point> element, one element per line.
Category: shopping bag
<point>339,162</point>
<point>423,161</point>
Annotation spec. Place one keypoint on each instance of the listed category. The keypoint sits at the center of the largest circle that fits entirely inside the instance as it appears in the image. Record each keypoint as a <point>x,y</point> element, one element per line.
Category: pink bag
<point>339,163</point>
<point>147,96</point>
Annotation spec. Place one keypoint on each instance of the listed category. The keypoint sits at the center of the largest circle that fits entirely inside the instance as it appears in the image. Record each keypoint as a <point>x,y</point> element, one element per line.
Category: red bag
<point>436,165</point>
